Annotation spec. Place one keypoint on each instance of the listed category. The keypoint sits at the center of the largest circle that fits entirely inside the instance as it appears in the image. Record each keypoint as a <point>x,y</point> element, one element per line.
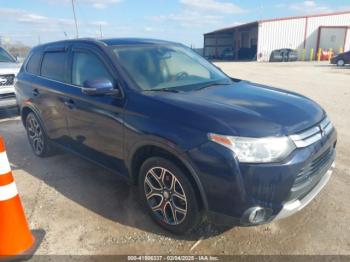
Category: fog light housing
<point>256,215</point>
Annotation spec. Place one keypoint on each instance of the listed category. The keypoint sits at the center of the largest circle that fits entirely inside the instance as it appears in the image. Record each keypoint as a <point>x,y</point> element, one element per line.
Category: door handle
<point>36,92</point>
<point>70,103</point>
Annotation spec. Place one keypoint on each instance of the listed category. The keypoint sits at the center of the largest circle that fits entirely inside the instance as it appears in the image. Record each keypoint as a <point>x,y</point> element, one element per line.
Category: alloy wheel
<point>165,196</point>
<point>35,134</point>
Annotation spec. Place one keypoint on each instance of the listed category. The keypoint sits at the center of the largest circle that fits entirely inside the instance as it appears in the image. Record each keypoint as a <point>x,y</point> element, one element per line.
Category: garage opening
<point>235,43</point>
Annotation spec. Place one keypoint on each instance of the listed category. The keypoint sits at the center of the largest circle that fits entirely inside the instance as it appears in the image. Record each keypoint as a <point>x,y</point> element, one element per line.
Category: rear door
<point>44,84</point>
<point>50,92</point>
<point>95,122</point>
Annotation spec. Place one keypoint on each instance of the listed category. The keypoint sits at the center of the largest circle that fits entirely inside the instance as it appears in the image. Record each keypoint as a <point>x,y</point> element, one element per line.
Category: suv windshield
<point>6,57</point>
<point>168,67</point>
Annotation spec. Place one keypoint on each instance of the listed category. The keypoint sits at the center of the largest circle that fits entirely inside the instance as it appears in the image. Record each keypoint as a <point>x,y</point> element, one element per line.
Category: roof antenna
<point>75,20</point>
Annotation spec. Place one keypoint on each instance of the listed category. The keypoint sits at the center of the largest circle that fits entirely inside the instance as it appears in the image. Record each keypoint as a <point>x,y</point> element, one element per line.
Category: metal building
<point>256,40</point>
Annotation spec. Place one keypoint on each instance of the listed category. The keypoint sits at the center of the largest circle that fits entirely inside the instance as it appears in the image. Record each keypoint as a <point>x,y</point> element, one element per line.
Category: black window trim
<point>69,51</point>
<point>56,49</point>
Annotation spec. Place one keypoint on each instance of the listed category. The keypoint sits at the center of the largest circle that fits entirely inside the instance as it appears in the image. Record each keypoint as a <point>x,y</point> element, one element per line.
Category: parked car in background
<point>341,59</point>
<point>284,55</point>
<point>8,71</point>
<point>196,142</point>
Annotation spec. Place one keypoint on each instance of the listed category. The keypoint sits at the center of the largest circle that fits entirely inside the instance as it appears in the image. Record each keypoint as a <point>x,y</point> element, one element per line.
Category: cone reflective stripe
<point>15,236</point>
<point>7,192</point>
<point>4,162</point>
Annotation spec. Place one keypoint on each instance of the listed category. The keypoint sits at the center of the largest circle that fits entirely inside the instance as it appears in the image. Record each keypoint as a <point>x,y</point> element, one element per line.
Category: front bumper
<point>294,206</point>
<point>234,190</point>
<point>8,101</point>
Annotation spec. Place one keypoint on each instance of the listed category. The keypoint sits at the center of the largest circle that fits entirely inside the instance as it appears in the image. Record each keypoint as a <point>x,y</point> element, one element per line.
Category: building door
<point>332,37</point>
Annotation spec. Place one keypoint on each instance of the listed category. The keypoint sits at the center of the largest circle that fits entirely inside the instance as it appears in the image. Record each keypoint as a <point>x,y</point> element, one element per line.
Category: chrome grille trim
<point>313,134</point>
<point>6,80</point>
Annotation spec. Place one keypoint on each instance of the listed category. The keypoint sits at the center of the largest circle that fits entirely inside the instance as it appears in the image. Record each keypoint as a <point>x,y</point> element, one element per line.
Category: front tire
<point>168,195</point>
<point>38,140</point>
<point>340,62</point>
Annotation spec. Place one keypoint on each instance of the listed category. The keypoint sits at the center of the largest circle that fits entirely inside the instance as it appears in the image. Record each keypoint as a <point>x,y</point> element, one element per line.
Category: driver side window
<point>87,66</point>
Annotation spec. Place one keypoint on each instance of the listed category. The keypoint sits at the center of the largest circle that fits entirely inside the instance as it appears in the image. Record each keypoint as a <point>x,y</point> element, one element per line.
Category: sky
<point>39,21</point>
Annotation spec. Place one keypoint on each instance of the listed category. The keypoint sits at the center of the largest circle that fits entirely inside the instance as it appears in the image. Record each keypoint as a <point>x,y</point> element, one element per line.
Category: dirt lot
<point>84,210</point>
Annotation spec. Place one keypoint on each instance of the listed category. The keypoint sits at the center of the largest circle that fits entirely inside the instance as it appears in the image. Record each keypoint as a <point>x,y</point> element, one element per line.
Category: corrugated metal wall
<point>290,33</point>
<point>347,41</point>
<point>280,34</point>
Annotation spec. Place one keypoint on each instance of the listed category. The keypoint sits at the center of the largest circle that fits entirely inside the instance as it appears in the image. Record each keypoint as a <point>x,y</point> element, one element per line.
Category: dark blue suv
<point>196,142</point>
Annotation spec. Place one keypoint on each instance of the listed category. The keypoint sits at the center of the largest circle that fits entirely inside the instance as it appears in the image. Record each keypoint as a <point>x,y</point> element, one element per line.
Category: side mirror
<point>99,87</point>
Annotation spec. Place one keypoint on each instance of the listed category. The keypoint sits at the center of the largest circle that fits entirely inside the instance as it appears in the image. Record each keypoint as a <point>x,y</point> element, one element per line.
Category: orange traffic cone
<point>15,236</point>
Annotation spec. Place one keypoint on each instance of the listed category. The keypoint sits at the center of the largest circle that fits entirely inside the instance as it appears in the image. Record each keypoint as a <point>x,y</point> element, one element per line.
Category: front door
<point>94,122</point>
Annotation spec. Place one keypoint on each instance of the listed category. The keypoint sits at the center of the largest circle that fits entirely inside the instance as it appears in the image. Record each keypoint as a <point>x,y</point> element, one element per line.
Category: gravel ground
<point>85,210</point>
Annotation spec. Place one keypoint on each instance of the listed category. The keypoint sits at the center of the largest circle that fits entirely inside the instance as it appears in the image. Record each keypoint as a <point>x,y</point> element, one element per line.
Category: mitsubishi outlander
<point>196,142</point>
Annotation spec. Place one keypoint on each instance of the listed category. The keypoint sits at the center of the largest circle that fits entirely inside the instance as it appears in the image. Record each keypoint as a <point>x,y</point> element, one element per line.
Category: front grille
<point>314,167</point>
<point>310,175</point>
<point>313,134</point>
<point>6,80</point>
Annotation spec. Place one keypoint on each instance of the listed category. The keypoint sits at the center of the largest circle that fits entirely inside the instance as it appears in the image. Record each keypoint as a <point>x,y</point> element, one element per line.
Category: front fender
<point>172,149</point>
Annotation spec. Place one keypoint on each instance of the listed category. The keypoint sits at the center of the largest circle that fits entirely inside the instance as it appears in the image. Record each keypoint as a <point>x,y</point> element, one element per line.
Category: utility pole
<point>75,20</point>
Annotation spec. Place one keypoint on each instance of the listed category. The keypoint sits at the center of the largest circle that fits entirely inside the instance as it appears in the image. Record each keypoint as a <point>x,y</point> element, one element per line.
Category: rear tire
<point>168,195</point>
<point>38,140</point>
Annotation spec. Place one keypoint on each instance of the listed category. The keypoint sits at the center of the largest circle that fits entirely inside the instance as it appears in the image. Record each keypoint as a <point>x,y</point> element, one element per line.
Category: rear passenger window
<point>53,66</point>
<point>34,63</point>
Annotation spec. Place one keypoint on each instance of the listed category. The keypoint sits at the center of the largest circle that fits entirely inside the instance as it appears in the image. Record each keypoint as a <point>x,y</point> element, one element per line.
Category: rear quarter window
<point>33,63</point>
<point>53,66</point>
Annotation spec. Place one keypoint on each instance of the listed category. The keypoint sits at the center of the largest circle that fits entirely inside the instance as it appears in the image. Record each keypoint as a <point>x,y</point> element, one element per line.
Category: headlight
<point>256,150</point>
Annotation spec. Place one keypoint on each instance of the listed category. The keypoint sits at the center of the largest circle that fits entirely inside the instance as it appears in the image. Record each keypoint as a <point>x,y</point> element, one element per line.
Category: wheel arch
<point>24,113</point>
<point>25,110</point>
<point>144,150</point>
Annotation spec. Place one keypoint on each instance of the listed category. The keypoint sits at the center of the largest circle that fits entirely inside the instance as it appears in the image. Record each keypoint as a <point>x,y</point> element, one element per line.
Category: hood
<point>9,68</point>
<point>246,109</point>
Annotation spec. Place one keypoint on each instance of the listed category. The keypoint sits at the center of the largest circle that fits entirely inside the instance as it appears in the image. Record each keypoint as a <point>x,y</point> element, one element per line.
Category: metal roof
<point>277,19</point>
<point>233,27</point>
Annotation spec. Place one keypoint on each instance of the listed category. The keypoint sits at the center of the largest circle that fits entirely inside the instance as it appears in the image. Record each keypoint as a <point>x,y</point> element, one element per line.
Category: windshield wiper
<point>214,84</point>
<point>163,90</point>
